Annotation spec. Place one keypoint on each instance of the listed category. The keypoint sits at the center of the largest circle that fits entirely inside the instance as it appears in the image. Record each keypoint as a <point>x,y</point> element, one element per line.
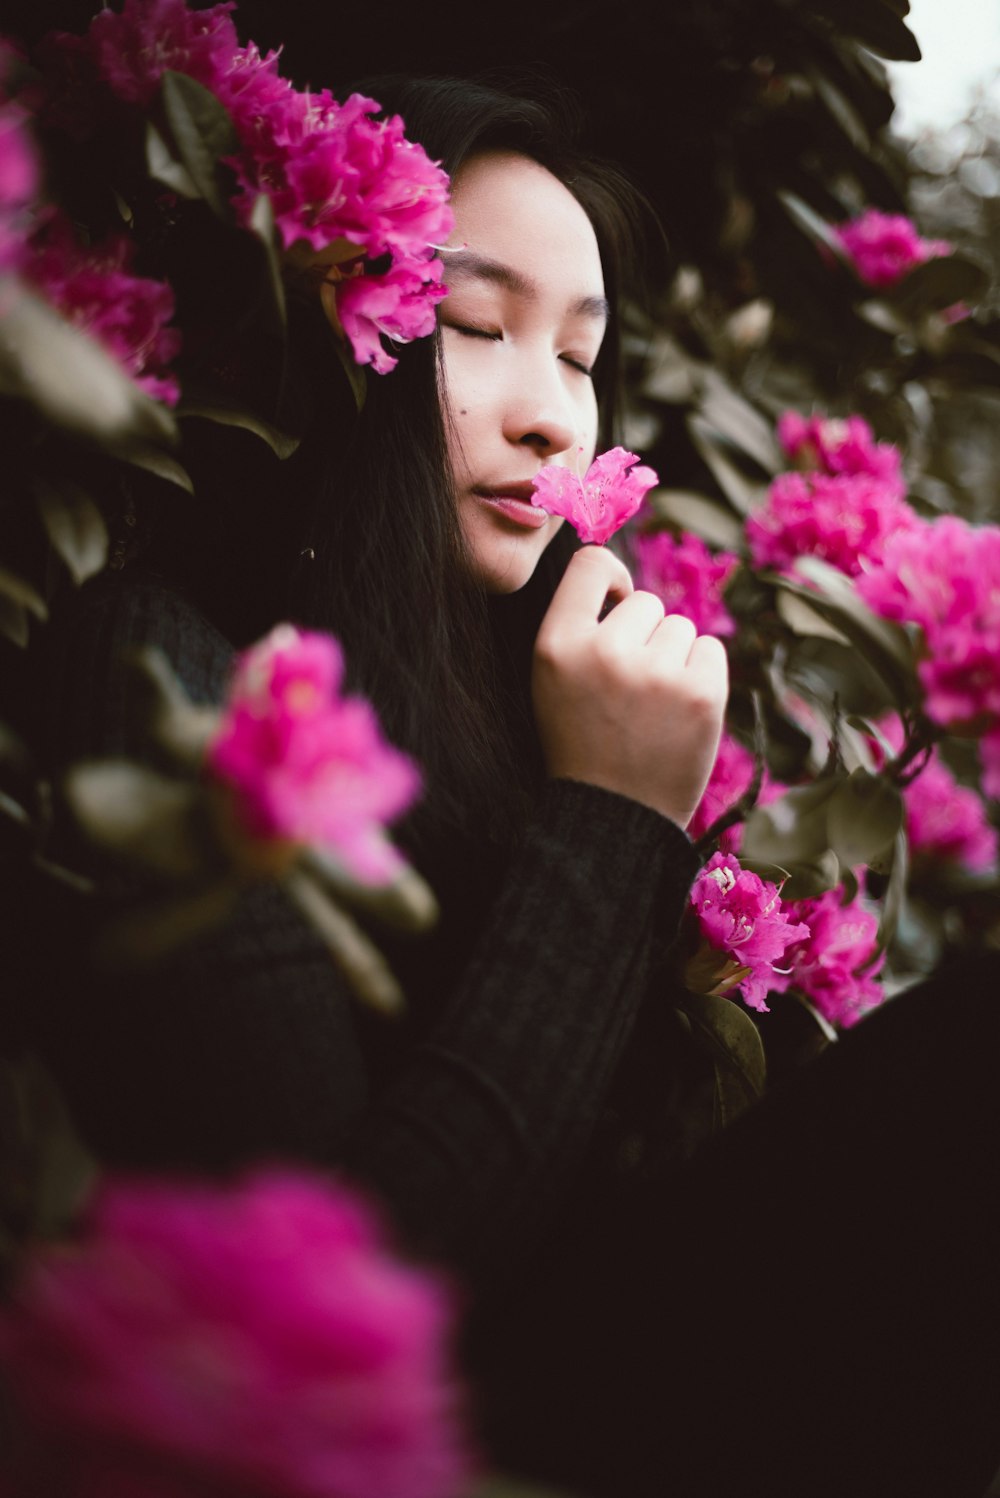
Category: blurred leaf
<point>263,226</point>
<point>841,109</point>
<point>180,727</point>
<point>863,817</point>
<point>731,1039</point>
<point>203,133</point>
<point>875,23</point>
<point>75,527</point>
<point>834,670</point>
<point>894,898</point>
<point>792,829</point>
<point>834,595</point>
<point>698,514</point>
<point>801,617</point>
<point>282,444</point>
<point>815,227</point>
<point>21,593</point>
<point>165,168</point>
<point>142,816</point>
<point>938,283</point>
<point>407,903</point>
<point>354,371</point>
<point>14,625</point>
<point>743,492</point>
<point>360,961</point>
<point>155,460</point>
<point>70,379</point>
<point>806,880</point>
<point>728,413</point>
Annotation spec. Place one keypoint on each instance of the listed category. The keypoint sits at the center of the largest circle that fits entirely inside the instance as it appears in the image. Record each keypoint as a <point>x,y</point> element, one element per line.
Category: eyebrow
<point>468,263</point>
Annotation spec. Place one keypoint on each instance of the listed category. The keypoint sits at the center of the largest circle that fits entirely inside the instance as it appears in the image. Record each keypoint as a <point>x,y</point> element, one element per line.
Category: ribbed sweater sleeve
<point>247,1043</point>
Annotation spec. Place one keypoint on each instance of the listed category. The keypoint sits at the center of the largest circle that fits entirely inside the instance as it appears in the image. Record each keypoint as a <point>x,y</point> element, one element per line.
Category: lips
<point>513,503</point>
<point>521,491</point>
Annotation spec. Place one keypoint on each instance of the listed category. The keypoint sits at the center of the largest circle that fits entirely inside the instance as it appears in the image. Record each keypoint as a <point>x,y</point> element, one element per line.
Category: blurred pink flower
<point>843,518</point>
<point>840,446</point>
<point>731,776</point>
<point>599,504</point>
<point>401,304</point>
<point>307,765</point>
<point>947,822</point>
<point>885,246</point>
<point>687,578</point>
<point>204,1341</point>
<point>742,916</point>
<point>838,940</point>
<point>133,48</point>
<point>95,290</point>
<point>18,171</point>
<point>944,575</point>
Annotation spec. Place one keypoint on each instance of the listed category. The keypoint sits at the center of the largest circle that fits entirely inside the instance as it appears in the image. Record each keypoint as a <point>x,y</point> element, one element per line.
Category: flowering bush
<point>844,518</point>
<point>599,504</point>
<point>305,764</point>
<point>741,917</point>
<point>886,246</point>
<point>253,1339</point>
<point>687,578</point>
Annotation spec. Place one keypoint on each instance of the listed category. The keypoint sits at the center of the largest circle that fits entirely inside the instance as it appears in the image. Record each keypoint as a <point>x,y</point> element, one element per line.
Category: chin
<point>506,571</point>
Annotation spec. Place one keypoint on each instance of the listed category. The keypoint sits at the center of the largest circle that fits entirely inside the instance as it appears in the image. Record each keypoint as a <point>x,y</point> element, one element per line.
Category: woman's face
<point>520,328</point>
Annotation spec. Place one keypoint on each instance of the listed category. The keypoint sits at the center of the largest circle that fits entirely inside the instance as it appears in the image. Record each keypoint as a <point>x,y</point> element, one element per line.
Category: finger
<point>708,657</point>
<point>675,636</point>
<point>592,575</point>
<point>634,620</point>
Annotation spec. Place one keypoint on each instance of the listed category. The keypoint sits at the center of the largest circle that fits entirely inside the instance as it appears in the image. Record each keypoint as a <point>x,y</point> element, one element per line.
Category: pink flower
<point>305,764</point>
<point>730,778</point>
<point>845,518</point>
<point>838,941</point>
<point>95,290</point>
<point>885,246</point>
<point>944,575</point>
<point>18,172</point>
<point>687,578</point>
<point>742,917</point>
<point>206,1342</point>
<point>946,821</point>
<point>597,505</point>
<point>400,304</point>
<point>837,447</point>
<point>133,48</point>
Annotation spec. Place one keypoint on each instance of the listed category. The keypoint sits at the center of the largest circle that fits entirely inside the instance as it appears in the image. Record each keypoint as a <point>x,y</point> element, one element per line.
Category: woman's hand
<point>632,702</point>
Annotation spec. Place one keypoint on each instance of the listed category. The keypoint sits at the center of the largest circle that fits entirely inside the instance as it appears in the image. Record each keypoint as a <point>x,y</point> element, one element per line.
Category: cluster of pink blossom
<point>336,177</point>
<point>741,916</point>
<point>599,504</point>
<point>731,775</point>
<point>96,290</point>
<point>18,171</point>
<point>836,446</point>
<point>884,247</point>
<point>944,575</point>
<point>947,822</point>
<point>844,518</point>
<point>256,1338</point>
<point>687,578</point>
<point>833,962</point>
<point>306,765</point>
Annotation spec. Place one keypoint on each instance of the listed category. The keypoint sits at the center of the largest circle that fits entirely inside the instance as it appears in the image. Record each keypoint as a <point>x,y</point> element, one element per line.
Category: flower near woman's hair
<point>944,575</point>
<point>834,964</point>
<point>305,764</point>
<point>746,930</point>
<point>255,1340</point>
<point>844,518</point>
<point>401,304</point>
<point>599,504</point>
<point>884,247</point>
<point>687,578</point>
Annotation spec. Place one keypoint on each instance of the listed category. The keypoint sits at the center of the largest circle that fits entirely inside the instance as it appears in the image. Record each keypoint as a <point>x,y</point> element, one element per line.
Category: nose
<point>540,411</point>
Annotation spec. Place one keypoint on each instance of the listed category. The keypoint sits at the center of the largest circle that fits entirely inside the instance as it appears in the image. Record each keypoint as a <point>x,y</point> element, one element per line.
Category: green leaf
<point>74,525</point>
<point>801,617</point>
<point>938,283</point>
<point>70,380</point>
<point>178,726</point>
<point>826,670</point>
<point>21,593</point>
<point>360,961</point>
<point>793,829</point>
<point>840,109</point>
<point>14,623</point>
<point>815,227</point>
<point>155,460</point>
<point>165,168</point>
<point>698,514</point>
<point>142,816</point>
<point>282,444</point>
<point>727,412</point>
<point>806,880</point>
<point>876,24</point>
<point>894,898</point>
<point>407,902</point>
<point>863,817</point>
<point>203,133</point>
<point>728,1035</point>
<point>263,227</point>
<point>744,493</point>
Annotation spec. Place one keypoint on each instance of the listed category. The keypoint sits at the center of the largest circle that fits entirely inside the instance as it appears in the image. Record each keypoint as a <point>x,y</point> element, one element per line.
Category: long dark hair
<point>382,562</point>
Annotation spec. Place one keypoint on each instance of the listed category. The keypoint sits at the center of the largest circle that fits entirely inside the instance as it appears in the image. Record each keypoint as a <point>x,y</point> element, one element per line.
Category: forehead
<point>510,209</point>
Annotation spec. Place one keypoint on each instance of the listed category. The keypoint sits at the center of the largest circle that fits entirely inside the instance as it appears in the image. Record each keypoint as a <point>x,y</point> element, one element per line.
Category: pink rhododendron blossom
<point>885,246</point>
<point>687,578</point>
<point>305,764</point>
<point>944,575</point>
<point>742,916</point>
<point>731,775</point>
<point>133,48</point>
<point>95,290</point>
<point>838,941</point>
<point>199,1341</point>
<point>400,304</point>
<point>599,504</point>
<point>18,172</point>
<point>946,821</point>
<point>843,518</point>
<point>836,446</point>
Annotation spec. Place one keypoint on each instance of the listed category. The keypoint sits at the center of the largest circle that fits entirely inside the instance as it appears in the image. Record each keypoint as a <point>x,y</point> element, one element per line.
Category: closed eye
<point>585,369</point>
<point>468,331</point>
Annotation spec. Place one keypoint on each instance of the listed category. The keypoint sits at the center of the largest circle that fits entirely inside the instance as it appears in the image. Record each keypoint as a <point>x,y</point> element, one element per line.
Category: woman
<point>613,1347</point>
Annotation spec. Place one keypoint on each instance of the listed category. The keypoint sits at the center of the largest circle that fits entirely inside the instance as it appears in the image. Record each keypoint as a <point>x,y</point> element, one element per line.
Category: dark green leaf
<point>825,670</point>
<point>727,412</point>
<point>178,726</point>
<point>730,1037</point>
<point>806,880</point>
<point>165,168</point>
<point>698,514</point>
<point>744,493</point>
<point>816,227</point>
<point>263,226</point>
<point>834,595</point>
<point>282,444</point>
<point>14,625</point>
<point>792,829</point>
<point>75,527</point>
<point>21,593</point>
<point>938,283</point>
<point>863,817</point>
<point>894,898</point>
<point>876,24</point>
<point>141,816</point>
<point>360,961</point>
<point>203,133</point>
<point>840,109</point>
<point>155,460</point>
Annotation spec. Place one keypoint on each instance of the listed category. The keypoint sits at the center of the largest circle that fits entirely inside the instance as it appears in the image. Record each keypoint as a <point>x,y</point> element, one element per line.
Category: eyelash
<point>468,331</point>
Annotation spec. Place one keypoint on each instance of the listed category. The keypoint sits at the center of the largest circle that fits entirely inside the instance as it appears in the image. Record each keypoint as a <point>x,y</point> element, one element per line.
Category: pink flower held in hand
<point>886,246</point>
<point>742,916</point>
<point>839,941</point>
<point>599,504</point>
<point>217,1341</point>
<point>305,764</point>
<point>687,578</point>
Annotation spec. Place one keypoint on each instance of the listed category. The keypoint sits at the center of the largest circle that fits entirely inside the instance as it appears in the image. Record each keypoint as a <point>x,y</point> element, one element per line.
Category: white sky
<point>960,42</point>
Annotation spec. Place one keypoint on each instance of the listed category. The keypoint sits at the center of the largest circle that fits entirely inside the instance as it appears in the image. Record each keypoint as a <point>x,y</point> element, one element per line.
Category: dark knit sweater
<point>472,1121</point>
